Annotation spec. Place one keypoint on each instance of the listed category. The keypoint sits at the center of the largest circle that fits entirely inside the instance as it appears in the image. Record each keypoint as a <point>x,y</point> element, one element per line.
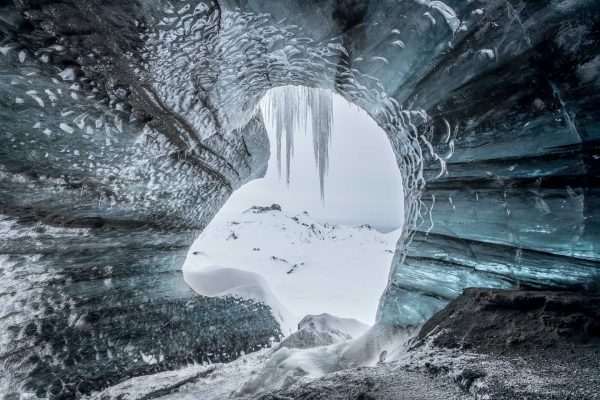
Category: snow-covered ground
<point>188,383</point>
<point>268,369</point>
<point>299,265</point>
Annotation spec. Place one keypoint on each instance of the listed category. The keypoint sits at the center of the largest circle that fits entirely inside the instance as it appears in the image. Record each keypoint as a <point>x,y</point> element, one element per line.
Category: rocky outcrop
<point>524,323</point>
<point>260,209</point>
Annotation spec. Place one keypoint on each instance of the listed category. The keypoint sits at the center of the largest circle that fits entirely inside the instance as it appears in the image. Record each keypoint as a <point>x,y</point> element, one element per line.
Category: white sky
<point>363,185</point>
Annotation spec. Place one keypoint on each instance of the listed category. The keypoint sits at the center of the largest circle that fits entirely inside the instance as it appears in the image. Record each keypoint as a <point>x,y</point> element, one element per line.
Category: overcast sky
<point>363,185</point>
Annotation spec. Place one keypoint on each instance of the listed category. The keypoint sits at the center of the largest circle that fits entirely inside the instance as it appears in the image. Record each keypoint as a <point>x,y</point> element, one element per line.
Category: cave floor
<point>486,344</point>
<point>425,373</point>
<point>454,374</point>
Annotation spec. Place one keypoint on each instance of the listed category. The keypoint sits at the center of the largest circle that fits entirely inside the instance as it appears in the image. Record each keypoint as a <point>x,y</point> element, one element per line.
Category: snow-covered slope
<point>309,267</point>
<point>327,322</point>
<point>216,281</point>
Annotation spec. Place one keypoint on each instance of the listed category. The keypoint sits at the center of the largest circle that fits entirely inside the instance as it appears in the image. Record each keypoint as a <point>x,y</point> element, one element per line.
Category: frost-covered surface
<point>322,330</point>
<point>450,357</point>
<point>219,381</point>
<point>288,365</point>
<point>403,373</point>
<point>141,386</point>
<point>222,380</point>
<point>327,322</point>
<point>431,374</point>
<point>262,371</point>
<point>310,267</point>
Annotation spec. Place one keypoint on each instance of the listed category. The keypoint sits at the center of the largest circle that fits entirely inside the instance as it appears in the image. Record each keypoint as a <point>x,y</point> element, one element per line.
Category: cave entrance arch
<point>328,243</point>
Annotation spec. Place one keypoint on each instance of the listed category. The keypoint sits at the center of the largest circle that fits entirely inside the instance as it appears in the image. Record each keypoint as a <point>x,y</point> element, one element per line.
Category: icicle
<point>290,109</point>
<point>321,107</point>
<point>278,133</point>
<point>291,103</point>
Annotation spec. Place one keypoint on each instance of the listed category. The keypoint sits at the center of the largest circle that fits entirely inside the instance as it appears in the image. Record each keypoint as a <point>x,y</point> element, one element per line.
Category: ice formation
<point>125,126</point>
<point>293,110</point>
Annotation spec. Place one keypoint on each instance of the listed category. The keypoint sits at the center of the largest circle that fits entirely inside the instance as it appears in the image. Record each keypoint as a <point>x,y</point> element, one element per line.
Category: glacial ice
<point>292,110</point>
<point>124,127</point>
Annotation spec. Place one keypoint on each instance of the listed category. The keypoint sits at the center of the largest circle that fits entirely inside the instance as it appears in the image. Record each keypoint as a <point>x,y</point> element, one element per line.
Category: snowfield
<point>292,263</point>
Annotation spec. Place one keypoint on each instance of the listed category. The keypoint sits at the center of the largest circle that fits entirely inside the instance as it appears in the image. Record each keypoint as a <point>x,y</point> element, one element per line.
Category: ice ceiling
<point>126,125</point>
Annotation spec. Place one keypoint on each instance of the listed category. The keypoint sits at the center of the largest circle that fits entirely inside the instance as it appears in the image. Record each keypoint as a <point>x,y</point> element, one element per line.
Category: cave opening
<point>317,233</point>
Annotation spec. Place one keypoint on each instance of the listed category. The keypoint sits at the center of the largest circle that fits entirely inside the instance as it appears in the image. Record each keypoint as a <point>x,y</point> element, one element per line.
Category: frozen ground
<point>422,373</point>
<point>308,267</point>
<point>217,381</point>
<point>267,370</point>
<point>468,350</point>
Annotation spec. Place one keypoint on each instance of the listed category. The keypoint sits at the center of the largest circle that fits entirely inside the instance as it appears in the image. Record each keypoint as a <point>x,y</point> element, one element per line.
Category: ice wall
<point>126,125</point>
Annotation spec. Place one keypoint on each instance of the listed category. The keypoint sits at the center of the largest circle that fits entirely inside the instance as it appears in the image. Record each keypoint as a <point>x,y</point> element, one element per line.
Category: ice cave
<point>125,126</point>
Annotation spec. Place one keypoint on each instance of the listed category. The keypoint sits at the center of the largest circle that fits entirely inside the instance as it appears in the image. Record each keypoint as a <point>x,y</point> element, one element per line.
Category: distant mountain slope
<point>310,267</point>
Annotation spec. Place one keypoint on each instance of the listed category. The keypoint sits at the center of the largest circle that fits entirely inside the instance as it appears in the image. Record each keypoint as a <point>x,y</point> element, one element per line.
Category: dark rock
<point>260,209</point>
<point>526,323</point>
<point>466,378</point>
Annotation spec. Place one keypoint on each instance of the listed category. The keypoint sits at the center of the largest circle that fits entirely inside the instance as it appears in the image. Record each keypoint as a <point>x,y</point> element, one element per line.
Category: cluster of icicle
<point>294,109</point>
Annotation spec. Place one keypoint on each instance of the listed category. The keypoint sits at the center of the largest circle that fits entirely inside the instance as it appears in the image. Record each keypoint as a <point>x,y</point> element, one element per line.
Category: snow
<point>288,366</point>
<point>327,322</point>
<point>289,260</point>
<point>223,379</point>
<point>296,263</point>
<point>216,281</point>
<point>323,330</point>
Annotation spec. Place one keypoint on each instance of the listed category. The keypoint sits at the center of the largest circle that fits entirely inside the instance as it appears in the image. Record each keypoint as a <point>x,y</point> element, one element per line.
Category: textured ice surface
<point>135,121</point>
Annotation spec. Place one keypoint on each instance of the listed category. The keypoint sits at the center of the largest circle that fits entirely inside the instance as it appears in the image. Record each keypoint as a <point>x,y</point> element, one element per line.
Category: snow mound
<point>215,281</point>
<point>322,330</point>
<point>327,322</point>
<point>289,366</point>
